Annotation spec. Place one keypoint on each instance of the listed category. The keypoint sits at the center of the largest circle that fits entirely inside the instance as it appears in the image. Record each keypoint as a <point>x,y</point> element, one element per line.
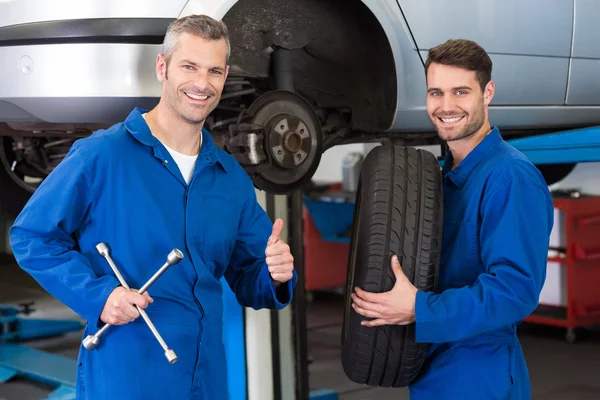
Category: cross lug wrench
<point>174,257</point>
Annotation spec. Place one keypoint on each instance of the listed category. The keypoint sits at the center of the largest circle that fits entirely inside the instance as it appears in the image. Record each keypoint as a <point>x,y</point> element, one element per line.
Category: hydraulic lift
<point>39,366</point>
<point>572,146</point>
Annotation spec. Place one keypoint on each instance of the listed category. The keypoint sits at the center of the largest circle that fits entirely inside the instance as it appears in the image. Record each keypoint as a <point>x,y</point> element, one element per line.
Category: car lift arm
<point>572,146</point>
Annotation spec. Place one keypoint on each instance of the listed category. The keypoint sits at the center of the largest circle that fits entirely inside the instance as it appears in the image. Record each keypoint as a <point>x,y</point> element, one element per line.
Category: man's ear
<point>488,93</point>
<point>161,68</point>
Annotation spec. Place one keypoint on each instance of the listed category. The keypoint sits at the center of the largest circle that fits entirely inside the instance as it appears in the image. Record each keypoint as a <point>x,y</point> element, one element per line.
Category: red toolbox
<point>327,226</point>
<point>326,262</point>
<point>571,297</point>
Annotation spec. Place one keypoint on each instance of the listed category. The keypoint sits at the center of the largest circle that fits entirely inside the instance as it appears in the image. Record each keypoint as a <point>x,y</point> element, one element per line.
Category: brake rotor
<point>293,141</point>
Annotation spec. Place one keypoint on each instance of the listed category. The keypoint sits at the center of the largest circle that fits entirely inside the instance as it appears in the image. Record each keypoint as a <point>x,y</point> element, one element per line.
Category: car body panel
<point>71,81</point>
<point>99,82</point>
<point>520,46</point>
<point>31,11</point>
<point>531,28</point>
<point>584,77</point>
<point>584,82</point>
<point>586,32</point>
<point>98,76</point>
<point>78,83</point>
<point>517,81</point>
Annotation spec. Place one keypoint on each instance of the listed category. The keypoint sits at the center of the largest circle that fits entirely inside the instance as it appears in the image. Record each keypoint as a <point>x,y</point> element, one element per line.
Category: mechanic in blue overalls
<point>148,185</point>
<point>498,215</point>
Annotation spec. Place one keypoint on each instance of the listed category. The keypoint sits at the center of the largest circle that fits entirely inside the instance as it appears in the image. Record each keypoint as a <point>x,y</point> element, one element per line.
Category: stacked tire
<point>398,211</point>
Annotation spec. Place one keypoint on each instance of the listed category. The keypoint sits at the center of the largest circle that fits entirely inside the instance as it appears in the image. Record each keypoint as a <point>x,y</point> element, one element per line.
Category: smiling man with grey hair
<point>186,36</point>
<point>143,187</point>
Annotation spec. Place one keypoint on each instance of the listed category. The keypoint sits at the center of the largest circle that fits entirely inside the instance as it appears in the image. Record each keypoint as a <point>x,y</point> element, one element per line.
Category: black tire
<point>398,210</point>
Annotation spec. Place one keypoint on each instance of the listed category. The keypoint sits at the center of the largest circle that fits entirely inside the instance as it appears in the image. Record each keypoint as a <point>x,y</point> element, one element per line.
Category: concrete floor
<point>559,371</point>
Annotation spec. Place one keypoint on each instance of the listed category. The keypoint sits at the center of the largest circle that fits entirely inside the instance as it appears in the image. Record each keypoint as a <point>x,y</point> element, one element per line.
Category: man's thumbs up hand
<point>279,257</point>
<point>277,230</point>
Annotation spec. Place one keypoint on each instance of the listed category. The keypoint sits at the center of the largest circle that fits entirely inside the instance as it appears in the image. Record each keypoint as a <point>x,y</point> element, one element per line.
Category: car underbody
<point>306,75</point>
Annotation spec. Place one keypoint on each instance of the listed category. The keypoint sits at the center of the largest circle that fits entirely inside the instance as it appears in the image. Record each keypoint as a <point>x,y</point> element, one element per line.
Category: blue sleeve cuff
<point>423,317</point>
<point>282,295</point>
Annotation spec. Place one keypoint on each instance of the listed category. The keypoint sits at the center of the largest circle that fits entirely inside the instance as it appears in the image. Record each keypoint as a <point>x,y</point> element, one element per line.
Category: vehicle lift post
<point>283,68</point>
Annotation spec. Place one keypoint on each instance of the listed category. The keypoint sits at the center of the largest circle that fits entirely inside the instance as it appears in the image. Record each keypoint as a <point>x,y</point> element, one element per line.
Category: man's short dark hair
<point>463,54</point>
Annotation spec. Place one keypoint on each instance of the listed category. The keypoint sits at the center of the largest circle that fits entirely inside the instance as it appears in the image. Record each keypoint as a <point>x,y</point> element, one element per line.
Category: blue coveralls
<point>498,215</point>
<point>121,186</point>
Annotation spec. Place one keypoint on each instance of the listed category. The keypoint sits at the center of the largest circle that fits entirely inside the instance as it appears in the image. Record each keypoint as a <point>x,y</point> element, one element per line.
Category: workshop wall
<point>331,165</point>
<point>585,178</point>
<point>330,168</point>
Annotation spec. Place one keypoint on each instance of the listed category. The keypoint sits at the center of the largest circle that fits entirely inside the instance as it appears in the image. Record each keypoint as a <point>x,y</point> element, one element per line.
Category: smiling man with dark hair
<point>498,215</point>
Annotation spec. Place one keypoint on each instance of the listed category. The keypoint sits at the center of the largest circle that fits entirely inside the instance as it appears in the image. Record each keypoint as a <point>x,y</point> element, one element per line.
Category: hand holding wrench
<point>174,257</point>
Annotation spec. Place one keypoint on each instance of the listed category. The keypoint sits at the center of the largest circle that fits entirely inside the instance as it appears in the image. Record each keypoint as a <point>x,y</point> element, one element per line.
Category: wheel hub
<point>293,141</point>
<point>286,140</point>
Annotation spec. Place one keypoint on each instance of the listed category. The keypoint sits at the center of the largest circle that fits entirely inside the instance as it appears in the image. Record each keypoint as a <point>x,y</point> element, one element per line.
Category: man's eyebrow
<point>433,89</point>
<point>193,64</point>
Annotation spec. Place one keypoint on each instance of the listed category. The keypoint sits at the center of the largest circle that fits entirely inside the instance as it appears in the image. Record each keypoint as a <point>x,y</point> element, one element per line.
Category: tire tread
<point>399,211</point>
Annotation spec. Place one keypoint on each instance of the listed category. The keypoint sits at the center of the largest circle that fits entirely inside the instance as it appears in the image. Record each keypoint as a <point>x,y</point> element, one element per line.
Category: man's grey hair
<point>199,25</point>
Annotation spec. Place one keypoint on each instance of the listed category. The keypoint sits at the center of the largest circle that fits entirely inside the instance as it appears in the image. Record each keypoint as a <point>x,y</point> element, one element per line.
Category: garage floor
<point>558,370</point>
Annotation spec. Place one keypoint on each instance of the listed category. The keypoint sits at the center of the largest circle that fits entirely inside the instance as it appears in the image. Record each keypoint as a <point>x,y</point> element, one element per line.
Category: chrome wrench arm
<point>169,353</point>
<point>174,257</point>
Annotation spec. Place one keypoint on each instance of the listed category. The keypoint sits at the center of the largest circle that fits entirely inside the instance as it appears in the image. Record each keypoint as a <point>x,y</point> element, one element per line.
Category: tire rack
<point>582,263</point>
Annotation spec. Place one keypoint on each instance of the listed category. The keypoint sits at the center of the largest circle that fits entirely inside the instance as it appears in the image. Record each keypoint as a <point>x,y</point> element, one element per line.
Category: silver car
<point>306,75</point>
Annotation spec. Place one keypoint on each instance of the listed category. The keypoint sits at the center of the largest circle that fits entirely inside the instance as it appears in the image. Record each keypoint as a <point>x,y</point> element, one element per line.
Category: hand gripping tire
<point>398,210</point>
